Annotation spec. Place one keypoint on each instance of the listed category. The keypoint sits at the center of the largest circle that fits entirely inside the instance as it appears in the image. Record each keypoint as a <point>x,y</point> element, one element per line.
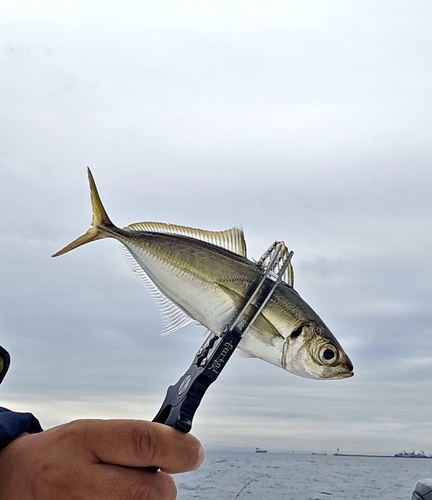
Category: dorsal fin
<point>230,239</point>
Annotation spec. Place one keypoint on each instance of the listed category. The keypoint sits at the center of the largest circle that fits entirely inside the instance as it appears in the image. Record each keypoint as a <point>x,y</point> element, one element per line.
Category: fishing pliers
<point>183,398</point>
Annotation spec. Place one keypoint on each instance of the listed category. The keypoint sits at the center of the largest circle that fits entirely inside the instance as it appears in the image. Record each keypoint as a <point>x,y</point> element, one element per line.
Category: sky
<point>308,122</point>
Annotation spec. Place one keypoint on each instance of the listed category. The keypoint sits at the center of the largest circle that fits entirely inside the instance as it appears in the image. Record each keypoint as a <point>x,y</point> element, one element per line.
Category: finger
<point>112,482</point>
<point>138,443</point>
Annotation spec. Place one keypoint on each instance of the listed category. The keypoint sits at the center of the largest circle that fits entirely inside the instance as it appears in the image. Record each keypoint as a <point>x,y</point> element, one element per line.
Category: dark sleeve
<point>12,424</point>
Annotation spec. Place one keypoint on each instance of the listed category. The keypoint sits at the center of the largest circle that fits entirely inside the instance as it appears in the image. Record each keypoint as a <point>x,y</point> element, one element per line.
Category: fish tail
<point>100,221</point>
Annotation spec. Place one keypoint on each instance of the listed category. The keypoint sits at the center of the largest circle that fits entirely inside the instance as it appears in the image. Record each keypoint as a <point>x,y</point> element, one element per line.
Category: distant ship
<point>260,450</point>
<point>338,454</point>
<point>413,454</point>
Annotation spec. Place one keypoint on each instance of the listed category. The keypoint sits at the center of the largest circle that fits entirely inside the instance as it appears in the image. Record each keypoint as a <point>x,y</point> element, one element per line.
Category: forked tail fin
<point>100,220</point>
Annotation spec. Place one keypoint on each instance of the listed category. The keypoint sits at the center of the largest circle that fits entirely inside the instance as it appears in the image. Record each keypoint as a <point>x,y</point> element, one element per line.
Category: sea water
<point>301,476</point>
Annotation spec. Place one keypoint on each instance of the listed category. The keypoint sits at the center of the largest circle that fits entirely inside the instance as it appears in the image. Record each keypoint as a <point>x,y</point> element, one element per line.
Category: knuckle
<point>193,454</point>
<point>163,487</point>
<point>75,429</point>
<point>145,443</point>
<point>144,492</point>
<point>75,433</point>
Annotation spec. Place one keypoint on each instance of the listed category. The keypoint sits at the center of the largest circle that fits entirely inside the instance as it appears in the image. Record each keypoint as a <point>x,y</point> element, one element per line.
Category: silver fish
<point>205,276</point>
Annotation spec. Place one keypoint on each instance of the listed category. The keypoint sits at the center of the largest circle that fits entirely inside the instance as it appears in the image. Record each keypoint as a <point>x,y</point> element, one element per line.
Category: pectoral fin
<point>262,327</point>
<point>239,353</point>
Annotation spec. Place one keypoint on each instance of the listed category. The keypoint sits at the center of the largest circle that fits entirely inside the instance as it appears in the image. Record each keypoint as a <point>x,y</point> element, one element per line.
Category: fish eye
<point>328,354</point>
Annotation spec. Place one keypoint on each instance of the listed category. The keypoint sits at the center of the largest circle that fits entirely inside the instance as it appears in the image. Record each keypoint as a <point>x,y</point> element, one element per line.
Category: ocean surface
<point>301,476</point>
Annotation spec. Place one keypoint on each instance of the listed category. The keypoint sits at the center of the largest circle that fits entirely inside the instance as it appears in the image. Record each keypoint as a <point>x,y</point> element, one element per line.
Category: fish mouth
<point>339,375</point>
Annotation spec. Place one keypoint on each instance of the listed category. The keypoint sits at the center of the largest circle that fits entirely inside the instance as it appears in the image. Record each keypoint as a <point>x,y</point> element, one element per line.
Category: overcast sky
<point>308,122</point>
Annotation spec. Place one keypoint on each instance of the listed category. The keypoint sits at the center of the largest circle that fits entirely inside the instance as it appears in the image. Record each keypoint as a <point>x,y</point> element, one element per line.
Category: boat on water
<point>413,454</point>
<point>260,450</point>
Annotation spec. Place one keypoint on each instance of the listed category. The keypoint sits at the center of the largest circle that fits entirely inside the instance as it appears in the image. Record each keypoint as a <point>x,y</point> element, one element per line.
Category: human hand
<point>97,460</point>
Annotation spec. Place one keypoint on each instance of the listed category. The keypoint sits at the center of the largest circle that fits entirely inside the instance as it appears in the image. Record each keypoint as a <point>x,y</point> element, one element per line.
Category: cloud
<point>306,122</point>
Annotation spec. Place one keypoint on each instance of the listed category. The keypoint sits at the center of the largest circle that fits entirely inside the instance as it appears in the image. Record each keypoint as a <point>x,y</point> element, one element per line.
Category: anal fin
<point>174,318</point>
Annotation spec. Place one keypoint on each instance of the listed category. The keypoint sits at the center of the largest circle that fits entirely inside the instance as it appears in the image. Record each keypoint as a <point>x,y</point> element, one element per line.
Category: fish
<point>204,276</point>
